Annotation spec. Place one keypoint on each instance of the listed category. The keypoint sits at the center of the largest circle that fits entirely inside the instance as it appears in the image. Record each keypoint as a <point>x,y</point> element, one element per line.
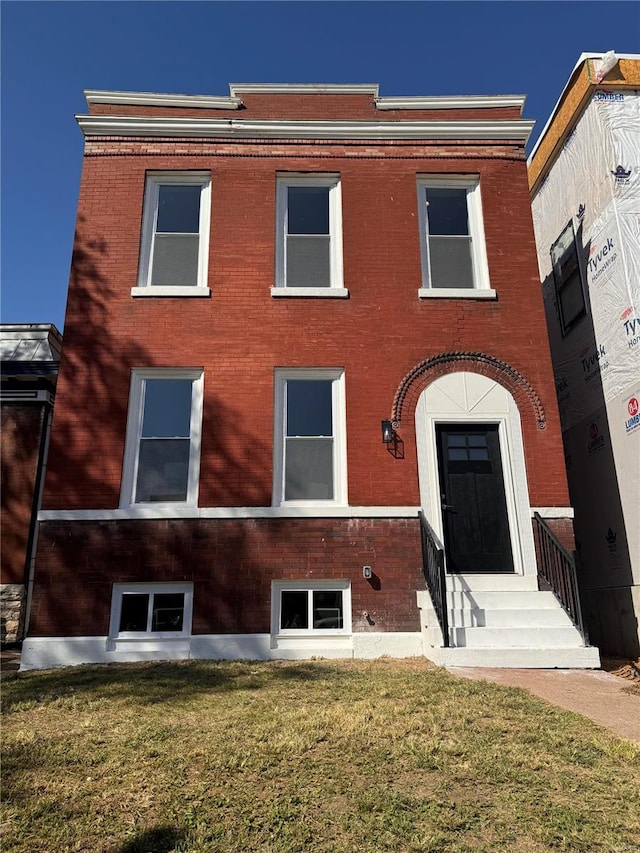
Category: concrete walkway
<point>595,694</point>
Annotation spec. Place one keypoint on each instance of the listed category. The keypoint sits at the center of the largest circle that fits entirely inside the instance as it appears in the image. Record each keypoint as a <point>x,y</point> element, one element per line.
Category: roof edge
<point>592,85</point>
<point>450,102</point>
<point>158,99</point>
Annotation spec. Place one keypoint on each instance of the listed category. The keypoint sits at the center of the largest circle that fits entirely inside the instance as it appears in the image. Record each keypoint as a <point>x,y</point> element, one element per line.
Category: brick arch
<point>426,372</point>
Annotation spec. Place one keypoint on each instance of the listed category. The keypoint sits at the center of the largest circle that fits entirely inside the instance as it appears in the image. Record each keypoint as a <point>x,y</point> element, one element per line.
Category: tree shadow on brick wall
<point>79,560</point>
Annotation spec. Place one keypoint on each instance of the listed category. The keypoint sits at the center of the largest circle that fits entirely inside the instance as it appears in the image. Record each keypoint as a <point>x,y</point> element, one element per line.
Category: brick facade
<point>241,334</point>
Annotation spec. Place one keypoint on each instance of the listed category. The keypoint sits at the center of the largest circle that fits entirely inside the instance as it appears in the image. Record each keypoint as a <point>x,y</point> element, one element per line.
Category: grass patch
<point>330,756</point>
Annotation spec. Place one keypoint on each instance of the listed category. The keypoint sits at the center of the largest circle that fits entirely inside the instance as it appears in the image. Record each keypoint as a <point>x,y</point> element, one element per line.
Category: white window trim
<point>134,425</point>
<point>119,589</point>
<point>153,182</point>
<point>279,586</point>
<point>482,288</point>
<point>336,375</point>
<point>293,179</point>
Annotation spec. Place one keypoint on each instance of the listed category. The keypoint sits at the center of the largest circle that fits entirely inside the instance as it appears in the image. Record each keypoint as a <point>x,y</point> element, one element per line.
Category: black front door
<point>474,507</point>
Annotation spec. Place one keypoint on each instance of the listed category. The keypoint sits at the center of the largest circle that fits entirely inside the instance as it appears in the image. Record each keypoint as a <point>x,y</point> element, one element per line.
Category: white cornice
<point>99,125</point>
<point>303,89</point>
<point>153,99</point>
<point>451,102</point>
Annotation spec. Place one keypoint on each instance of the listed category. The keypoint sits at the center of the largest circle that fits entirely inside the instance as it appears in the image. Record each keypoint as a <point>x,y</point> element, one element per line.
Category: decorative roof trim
<point>99,125</point>
<point>303,89</point>
<point>153,99</point>
<point>451,102</point>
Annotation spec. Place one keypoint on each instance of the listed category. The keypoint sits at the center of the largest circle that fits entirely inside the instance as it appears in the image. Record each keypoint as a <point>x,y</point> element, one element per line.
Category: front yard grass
<point>316,755</point>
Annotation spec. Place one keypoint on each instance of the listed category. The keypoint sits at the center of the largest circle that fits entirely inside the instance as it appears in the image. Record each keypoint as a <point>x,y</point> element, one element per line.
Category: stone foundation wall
<point>12,602</point>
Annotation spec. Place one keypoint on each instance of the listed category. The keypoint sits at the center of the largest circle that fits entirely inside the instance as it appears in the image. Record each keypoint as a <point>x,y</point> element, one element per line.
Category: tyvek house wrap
<point>595,182</point>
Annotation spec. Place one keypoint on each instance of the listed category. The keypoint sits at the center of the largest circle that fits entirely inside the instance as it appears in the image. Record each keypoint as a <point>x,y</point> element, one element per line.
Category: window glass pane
<point>459,440</point>
<point>309,407</point>
<point>163,470</point>
<point>175,260</point>
<point>477,440</point>
<point>327,609</point>
<point>168,611</point>
<point>134,611</point>
<point>167,408</point>
<point>308,469</point>
<point>457,454</point>
<point>571,299</point>
<point>308,262</point>
<point>450,263</point>
<point>308,210</point>
<point>447,210</point>
<point>178,209</point>
<point>294,610</point>
<point>478,454</point>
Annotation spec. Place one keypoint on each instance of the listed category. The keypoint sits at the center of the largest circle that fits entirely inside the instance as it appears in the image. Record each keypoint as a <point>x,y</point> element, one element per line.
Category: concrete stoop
<point>503,621</point>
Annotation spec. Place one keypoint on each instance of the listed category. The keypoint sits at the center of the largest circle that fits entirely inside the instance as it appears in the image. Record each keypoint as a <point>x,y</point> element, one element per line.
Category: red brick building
<point>258,282</point>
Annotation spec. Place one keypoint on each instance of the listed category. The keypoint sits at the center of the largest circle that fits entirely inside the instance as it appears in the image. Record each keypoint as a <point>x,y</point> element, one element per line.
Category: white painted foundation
<point>51,652</point>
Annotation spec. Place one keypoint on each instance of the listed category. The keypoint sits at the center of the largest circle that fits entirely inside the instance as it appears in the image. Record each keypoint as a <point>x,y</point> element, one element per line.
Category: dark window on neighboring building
<point>567,276</point>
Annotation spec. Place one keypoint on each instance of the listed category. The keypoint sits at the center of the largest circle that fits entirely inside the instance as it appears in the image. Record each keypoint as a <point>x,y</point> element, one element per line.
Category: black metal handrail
<point>434,574</point>
<point>558,568</point>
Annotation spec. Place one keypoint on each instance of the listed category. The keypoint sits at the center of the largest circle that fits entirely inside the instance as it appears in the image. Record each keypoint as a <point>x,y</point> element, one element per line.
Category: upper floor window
<point>162,454</point>
<point>454,261</point>
<point>308,236</point>
<point>175,235</point>
<point>310,437</point>
<point>567,277</point>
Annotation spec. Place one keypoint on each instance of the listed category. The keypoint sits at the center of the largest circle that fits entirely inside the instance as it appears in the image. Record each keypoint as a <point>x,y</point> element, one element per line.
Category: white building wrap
<point>594,183</point>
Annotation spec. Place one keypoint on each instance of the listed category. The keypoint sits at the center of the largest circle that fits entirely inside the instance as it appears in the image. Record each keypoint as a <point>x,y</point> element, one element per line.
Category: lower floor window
<point>151,610</point>
<point>311,606</point>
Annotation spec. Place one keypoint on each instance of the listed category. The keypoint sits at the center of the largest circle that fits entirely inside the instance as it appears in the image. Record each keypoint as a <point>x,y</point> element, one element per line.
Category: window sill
<point>316,292</point>
<point>178,290</point>
<point>456,293</point>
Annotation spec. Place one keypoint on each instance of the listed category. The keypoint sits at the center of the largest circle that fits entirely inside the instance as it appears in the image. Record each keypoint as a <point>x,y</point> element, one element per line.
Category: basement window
<point>303,608</point>
<point>151,611</point>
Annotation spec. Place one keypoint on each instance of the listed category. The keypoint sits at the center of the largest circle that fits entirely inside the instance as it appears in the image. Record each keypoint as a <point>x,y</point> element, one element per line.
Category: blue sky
<point>51,51</point>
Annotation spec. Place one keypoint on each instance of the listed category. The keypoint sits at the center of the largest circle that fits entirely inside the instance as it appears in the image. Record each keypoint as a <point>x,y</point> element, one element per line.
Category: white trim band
<point>154,99</point>
<point>160,512</point>
<point>99,125</point>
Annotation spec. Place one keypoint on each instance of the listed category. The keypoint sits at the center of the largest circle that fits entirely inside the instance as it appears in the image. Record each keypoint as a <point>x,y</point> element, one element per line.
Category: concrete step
<point>523,637</point>
<point>502,599</point>
<point>545,617</point>
<point>584,657</point>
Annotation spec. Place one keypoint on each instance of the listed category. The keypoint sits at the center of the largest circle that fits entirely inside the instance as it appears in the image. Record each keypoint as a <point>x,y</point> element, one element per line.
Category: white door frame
<point>470,398</point>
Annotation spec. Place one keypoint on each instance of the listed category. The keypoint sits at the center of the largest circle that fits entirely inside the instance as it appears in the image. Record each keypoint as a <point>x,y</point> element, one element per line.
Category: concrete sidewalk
<point>595,694</point>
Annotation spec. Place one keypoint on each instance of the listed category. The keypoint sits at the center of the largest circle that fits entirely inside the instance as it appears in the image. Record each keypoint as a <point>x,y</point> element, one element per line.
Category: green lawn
<point>323,756</point>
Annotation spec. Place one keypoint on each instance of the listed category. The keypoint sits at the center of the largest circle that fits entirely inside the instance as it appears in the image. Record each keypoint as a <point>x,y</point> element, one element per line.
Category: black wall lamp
<point>388,432</point>
<point>391,439</point>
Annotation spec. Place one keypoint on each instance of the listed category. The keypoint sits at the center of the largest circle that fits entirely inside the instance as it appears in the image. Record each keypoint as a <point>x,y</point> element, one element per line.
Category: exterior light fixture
<point>388,432</point>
